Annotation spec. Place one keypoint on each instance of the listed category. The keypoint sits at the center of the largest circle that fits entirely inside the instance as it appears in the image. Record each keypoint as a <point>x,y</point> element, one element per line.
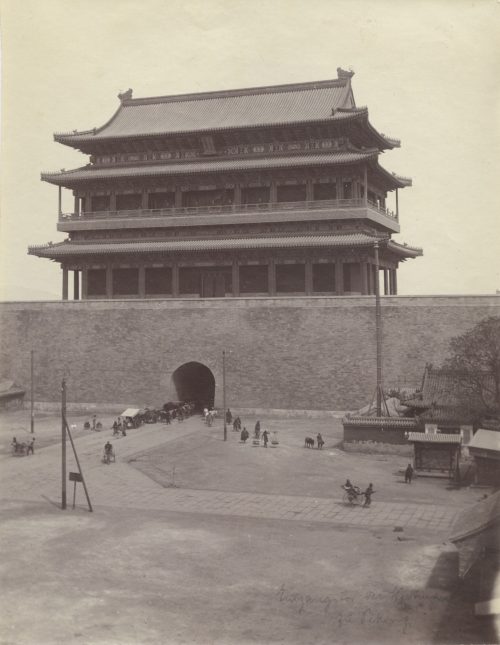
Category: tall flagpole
<point>378,332</point>
<point>63,445</point>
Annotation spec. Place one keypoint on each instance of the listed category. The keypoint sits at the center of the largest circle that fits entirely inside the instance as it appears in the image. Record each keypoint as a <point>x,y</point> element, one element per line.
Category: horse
<point>309,442</point>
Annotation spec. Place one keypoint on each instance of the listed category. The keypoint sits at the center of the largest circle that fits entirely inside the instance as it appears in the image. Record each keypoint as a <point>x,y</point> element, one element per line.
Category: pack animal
<point>309,442</point>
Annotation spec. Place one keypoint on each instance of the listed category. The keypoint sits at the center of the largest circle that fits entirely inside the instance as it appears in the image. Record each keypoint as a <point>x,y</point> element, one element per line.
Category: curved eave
<point>403,250</point>
<point>392,181</point>
<point>77,176</point>
<point>68,249</point>
<point>80,139</point>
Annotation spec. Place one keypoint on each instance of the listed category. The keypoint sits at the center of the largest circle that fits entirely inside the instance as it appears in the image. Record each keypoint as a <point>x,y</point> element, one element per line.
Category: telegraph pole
<point>378,332</point>
<point>63,445</point>
<point>224,391</point>
<point>32,421</point>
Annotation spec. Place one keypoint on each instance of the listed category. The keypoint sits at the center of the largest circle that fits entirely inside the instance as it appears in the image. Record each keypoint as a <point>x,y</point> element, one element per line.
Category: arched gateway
<point>194,382</point>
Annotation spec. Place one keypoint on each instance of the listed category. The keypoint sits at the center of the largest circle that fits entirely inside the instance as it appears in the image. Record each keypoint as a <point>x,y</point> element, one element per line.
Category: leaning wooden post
<point>224,391</point>
<point>79,467</point>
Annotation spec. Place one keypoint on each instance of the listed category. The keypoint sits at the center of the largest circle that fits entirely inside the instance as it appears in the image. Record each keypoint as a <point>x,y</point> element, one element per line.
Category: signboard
<point>75,477</point>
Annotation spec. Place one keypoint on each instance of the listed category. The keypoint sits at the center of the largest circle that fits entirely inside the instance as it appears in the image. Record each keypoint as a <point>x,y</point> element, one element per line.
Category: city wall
<point>281,353</point>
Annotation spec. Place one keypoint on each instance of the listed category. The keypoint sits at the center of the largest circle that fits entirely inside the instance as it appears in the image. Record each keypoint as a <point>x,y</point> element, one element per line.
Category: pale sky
<point>429,72</point>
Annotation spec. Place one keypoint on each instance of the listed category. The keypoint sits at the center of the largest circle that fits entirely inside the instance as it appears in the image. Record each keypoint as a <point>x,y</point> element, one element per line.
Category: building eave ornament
<point>125,96</point>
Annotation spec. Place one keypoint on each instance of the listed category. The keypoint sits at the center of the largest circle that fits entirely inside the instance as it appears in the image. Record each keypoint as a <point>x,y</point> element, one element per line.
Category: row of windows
<point>211,281</point>
<point>249,195</point>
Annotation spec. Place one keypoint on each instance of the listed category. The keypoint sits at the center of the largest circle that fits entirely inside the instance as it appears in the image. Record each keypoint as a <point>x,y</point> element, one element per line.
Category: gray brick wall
<point>296,353</point>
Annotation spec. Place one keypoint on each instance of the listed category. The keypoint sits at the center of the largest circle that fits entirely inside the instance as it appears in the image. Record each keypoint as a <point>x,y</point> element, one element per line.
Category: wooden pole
<point>63,445</point>
<point>79,467</point>
<point>32,419</point>
<point>224,391</point>
<point>378,332</point>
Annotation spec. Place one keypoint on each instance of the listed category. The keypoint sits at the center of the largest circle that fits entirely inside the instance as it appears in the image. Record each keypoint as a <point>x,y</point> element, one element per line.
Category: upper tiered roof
<point>298,103</point>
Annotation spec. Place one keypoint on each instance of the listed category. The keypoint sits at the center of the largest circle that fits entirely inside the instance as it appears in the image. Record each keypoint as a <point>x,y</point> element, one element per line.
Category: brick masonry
<point>290,353</point>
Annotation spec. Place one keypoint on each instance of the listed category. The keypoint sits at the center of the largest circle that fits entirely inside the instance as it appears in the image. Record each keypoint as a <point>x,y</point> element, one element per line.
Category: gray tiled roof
<point>438,437</point>
<point>222,110</point>
<point>486,440</point>
<point>68,248</point>
<point>208,166</point>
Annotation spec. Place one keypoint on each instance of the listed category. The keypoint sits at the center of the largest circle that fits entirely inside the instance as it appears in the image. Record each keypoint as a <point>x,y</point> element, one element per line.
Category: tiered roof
<point>257,107</point>
<point>74,248</point>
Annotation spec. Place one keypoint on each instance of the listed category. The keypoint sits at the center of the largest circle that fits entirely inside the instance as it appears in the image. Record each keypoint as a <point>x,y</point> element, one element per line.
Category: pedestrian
<point>319,440</point>
<point>31,447</point>
<point>257,430</point>
<point>408,474</point>
<point>244,435</point>
<point>94,421</point>
<point>368,495</point>
<point>265,436</point>
<point>229,417</point>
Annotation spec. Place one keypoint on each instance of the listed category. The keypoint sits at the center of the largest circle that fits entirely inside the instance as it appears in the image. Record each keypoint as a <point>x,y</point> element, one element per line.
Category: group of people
<point>355,491</point>
<point>119,427</point>
<point>23,447</point>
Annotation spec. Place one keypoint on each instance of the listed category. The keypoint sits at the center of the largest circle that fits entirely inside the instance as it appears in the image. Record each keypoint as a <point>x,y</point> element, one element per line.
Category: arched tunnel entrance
<point>195,382</point>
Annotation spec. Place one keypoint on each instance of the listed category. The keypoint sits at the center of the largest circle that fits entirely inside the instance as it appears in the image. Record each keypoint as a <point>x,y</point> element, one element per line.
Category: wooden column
<point>369,284</point>
<point>365,181</point>
<point>76,208</point>
<point>340,188</point>
<point>76,285</point>
<point>375,278</point>
<point>109,282</point>
<point>386,282</point>
<point>271,277</point>
<point>273,192</point>
<point>309,277</point>
<point>178,198</point>
<point>237,194</point>
<point>84,284</point>
<point>309,190</point>
<point>60,201</point>
<point>175,280</point>
<point>397,205</point>
<point>236,278</point>
<point>112,201</point>
<point>339,277</point>
<point>88,203</point>
<point>363,268</point>
<point>145,200</point>
<point>395,281</point>
<point>142,281</point>
<point>65,283</point>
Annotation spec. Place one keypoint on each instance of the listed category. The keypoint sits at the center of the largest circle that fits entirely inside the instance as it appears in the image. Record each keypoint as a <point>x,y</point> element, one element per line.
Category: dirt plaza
<point>196,540</point>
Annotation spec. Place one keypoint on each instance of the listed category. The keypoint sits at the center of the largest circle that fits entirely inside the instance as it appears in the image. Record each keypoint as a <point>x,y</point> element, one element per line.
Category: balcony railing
<point>219,209</point>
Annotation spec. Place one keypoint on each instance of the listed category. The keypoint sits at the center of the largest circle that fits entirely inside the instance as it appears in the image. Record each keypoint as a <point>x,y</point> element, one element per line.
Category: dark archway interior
<point>195,382</point>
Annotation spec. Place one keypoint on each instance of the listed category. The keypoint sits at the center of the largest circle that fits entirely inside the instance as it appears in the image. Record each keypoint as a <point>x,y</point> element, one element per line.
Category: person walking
<point>257,430</point>
<point>31,447</point>
<point>319,440</point>
<point>408,474</point>
<point>265,436</point>
<point>368,495</point>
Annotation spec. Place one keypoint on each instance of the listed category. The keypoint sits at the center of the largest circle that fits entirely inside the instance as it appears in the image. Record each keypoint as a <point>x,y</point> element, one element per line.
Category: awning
<point>130,412</point>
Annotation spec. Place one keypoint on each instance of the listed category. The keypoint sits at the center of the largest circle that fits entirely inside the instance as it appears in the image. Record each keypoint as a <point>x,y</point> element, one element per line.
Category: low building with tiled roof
<point>260,191</point>
<point>476,534</point>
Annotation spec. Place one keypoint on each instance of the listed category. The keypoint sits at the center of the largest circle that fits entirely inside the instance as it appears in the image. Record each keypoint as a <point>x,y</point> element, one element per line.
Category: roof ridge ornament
<point>344,74</point>
<point>125,96</point>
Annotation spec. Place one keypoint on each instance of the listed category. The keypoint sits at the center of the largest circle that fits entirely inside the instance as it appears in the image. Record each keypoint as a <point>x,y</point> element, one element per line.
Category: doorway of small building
<point>194,382</point>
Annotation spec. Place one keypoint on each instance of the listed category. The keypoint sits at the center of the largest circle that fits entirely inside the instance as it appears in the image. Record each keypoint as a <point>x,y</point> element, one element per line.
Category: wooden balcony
<point>230,213</point>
